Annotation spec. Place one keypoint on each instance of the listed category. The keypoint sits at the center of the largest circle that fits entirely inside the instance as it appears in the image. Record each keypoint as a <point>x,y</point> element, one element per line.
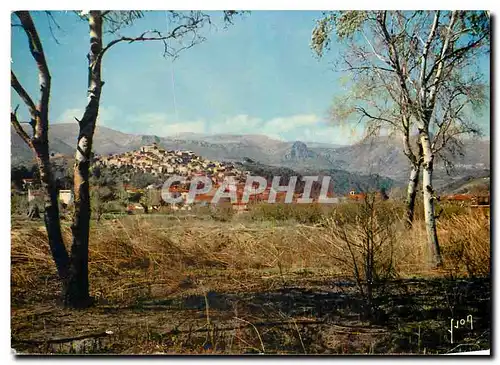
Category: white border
<point>182,5</point>
<point>255,5</point>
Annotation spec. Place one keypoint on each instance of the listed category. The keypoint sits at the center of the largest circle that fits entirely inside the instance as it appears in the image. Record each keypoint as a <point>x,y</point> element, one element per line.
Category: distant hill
<point>20,153</point>
<point>469,184</point>
<point>381,156</point>
<point>384,156</point>
<point>341,182</point>
<point>298,152</point>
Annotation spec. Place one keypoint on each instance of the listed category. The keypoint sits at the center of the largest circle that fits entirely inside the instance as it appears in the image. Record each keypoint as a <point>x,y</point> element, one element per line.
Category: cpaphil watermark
<point>201,188</point>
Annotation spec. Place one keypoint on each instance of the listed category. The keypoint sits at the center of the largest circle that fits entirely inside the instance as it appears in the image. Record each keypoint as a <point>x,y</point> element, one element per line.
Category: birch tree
<point>370,100</point>
<point>72,266</point>
<point>422,62</point>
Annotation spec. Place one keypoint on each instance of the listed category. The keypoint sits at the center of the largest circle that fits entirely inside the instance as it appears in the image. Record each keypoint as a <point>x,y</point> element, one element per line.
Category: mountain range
<point>381,155</point>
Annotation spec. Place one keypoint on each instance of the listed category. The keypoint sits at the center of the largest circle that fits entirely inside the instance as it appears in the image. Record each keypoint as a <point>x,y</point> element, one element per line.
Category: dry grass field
<point>274,280</point>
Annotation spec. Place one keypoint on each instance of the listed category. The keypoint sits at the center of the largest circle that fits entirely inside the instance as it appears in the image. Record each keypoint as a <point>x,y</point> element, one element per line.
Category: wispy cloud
<point>304,127</point>
<point>285,124</point>
<point>108,116</point>
<point>69,115</point>
<point>238,124</point>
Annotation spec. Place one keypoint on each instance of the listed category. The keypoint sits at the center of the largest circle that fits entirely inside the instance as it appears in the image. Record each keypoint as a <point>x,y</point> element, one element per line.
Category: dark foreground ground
<point>256,312</point>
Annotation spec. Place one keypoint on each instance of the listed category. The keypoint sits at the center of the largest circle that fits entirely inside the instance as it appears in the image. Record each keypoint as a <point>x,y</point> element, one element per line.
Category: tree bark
<point>416,165</point>
<point>77,288</point>
<point>430,219</point>
<point>412,194</point>
<point>51,211</point>
<point>39,142</point>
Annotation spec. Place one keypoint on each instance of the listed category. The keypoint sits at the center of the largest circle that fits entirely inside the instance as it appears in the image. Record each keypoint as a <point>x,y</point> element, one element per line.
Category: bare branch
<point>19,129</point>
<point>425,52</point>
<point>366,68</point>
<point>444,50</point>
<point>407,149</point>
<point>394,57</point>
<point>143,38</point>
<point>373,117</point>
<point>189,24</point>
<point>457,54</point>
<point>50,20</point>
<point>23,94</point>
<point>375,53</point>
<point>43,72</point>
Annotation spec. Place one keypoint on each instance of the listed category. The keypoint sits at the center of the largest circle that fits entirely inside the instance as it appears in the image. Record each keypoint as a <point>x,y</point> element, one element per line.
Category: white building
<point>66,196</point>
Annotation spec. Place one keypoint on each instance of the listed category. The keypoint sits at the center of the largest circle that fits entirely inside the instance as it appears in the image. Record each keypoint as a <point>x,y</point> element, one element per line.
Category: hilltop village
<point>154,160</point>
<point>159,162</point>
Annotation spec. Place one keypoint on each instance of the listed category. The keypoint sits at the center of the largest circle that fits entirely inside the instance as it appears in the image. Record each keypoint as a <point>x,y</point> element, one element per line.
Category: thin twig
<point>258,334</point>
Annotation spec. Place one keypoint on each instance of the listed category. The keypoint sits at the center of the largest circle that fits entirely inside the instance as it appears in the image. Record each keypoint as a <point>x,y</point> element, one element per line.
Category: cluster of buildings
<point>160,162</point>
<point>163,163</point>
<point>65,196</point>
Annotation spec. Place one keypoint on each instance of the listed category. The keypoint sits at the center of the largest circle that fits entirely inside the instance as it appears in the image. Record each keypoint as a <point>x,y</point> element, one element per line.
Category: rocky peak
<point>298,151</point>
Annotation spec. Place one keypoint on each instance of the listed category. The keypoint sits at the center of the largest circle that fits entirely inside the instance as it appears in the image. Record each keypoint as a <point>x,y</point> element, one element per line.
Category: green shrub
<point>19,204</point>
<point>222,213</point>
<point>301,213</point>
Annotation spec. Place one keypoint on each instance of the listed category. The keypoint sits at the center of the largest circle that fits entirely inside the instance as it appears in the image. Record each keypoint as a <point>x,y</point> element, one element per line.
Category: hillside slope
<point>380,156</point>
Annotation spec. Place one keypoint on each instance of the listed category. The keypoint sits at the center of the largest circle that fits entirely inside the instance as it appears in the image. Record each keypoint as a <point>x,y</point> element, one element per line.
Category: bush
<point>222,213</point>
<point>301,213</point>
<point>364,241</point>
<point>19,204</point>
<point>449,210</point>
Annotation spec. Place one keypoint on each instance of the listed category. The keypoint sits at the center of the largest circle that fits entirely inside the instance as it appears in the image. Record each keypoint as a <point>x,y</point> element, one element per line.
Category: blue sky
<point>259,76</point>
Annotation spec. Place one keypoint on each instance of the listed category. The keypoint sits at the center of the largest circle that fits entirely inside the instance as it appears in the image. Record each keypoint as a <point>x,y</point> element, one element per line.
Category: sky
<point>258,76</point>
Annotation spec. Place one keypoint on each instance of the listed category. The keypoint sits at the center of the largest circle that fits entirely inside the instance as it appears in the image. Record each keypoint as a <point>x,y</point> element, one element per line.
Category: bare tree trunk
<point>412,194</point>
<point>77,289</point>
<point>51,211</point>
<point>39,142</point>
<point>416,163</point>
<point>430,219</point>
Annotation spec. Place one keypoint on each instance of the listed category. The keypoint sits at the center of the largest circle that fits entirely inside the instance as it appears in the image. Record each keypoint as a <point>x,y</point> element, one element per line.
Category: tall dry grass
<point>137,256</point>
<point>466,245</point>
